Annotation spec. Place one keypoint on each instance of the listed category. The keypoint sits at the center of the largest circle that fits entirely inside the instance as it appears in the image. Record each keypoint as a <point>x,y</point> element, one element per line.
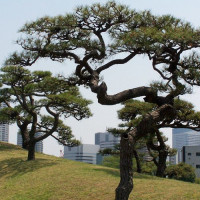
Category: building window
<point>198,166</point>
<point>69,148</point>
<point>189,154</point>
<point>107,138</point>
<point>197,153</point>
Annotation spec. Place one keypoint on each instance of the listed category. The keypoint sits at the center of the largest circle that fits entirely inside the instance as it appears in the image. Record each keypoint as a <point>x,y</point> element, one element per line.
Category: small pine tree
<point>36,101</point>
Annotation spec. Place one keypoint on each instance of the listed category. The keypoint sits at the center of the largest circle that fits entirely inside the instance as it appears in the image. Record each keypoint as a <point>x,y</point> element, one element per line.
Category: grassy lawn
<point>54,178</point>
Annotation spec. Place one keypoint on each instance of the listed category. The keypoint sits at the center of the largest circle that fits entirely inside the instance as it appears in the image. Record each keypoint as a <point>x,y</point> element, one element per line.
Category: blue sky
<point>13,14</point>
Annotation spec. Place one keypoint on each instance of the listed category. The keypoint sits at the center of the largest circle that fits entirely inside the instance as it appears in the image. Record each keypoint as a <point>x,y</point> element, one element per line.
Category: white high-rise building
<point>84,153</point>
<point>4,128</point>
<point>184,137</point>
<point>38,146</point>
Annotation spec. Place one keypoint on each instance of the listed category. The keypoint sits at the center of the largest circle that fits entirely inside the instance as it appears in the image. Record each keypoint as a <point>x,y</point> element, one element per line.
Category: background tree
<point>37,101</point>
<point>131,114</point>
<point>159,151</point>
<point>95,36</point>
<point>182,171</point>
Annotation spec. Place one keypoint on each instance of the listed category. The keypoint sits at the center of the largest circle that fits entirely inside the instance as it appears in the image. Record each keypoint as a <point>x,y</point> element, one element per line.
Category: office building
<point>184,137</point>
<point>4,128</point>
<point>191,156</point>
<point>106,140</point>
<point>38,146</point>
<point>173,160</point>
<point>84,153</point>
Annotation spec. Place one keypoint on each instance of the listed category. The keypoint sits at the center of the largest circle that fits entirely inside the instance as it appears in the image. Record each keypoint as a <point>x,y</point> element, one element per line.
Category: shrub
<point>197,180</point>
<point>111,161</point>
<point>149,168</point>
<point>182,171</point>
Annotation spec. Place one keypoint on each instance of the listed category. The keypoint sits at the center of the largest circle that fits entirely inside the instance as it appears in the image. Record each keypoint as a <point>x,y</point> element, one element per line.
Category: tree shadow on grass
<point>9,147</point>
<point>144,176</point>
<point>116,173</point>
<point>17,166</point>
<point>111,171</point>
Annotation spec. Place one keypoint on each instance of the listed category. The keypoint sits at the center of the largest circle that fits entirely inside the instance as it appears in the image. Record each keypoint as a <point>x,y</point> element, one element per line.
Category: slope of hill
<point>51,178</point>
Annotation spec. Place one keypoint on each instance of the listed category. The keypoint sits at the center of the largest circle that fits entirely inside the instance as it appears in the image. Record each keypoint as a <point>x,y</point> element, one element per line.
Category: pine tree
<point>95,36</point>
<point>36,101</point>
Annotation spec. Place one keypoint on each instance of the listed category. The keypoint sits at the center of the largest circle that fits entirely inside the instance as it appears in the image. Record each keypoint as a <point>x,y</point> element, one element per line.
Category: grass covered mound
<point>52,178</point>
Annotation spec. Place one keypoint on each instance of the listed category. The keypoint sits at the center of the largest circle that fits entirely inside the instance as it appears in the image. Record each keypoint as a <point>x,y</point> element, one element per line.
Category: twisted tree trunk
<point>126,168</point>
<point>127,144</point>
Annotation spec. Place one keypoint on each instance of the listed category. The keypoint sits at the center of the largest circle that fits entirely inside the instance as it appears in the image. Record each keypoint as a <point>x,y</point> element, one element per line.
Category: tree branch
<point>116,62</point>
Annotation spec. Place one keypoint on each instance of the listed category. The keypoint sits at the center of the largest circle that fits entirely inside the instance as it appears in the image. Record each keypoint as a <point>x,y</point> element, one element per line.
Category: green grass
<point>51,178</point>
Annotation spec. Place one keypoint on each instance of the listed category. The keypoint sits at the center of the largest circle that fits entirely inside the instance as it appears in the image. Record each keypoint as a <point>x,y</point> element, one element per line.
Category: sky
<point>14,14</point>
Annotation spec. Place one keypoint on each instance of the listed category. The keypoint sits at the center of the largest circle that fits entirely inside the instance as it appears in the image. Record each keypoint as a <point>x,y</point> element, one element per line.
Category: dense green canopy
<point>92,34</point>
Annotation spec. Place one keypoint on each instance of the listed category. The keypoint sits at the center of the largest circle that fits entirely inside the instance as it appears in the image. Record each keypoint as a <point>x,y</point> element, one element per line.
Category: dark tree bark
<point>137,158</point>
<point>24,145</point>
<point>31,151</point>
<point>161,167</point>
<point>126,168</point>
<point>24,132</point>
<point>25,140</point>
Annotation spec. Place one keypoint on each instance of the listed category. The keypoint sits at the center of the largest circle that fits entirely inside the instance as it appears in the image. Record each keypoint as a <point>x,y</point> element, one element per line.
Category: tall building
<point>184,137</point>
<point>84,153</point>
<point>38,146</point>
<point>191,156</point>
<point>4,128</point>
<point>106,140</point>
